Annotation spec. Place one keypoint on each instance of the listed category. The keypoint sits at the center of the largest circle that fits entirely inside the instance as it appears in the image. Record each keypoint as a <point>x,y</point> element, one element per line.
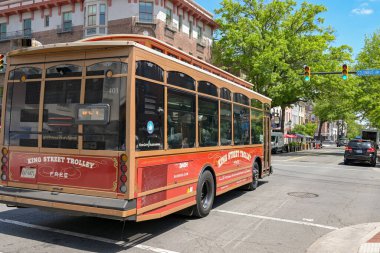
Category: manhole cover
<point>303,194</point>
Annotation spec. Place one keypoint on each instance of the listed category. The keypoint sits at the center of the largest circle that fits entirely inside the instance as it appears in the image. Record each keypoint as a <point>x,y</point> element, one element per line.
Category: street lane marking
<point>90,237</point>
<point>277,219</point>
<point>295,158</point>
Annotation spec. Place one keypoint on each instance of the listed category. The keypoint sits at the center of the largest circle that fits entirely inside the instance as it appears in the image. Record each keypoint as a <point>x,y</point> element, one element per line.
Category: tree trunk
<point>320,129</point>
<point>283,119</point>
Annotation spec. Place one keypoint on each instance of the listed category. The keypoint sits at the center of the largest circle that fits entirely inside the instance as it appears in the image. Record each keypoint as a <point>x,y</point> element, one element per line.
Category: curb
<point>352,239</point>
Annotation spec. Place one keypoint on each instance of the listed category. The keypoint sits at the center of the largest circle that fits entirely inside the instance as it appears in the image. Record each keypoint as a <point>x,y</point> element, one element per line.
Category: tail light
<point>371,150</point>
<point>348,149</point>
<point>4,164</point>
<point>123,173</point>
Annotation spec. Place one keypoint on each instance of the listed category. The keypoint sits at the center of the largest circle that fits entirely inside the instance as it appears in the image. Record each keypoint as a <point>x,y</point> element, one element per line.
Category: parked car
<point>360,151</point>
<point>342,142</point>
<point>277,141</point>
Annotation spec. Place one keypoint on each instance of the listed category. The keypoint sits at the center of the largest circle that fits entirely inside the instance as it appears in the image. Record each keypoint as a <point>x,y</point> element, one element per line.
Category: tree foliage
<point>271,41</point>
<point>307,129</point>
<point>368,94</point>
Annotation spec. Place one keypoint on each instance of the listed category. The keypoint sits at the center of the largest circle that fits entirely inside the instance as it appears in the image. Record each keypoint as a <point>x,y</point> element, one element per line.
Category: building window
<point>27,27</point>
<point>67,21</point>
<point>91,19</point>
<point>102,14</point>
<point>169,16</point>
<point>190,29</point>
<point>199,31</point>
<point>3,31</point>
<point>146,12</point>
<point>47,21</point>
<point>180,20</point>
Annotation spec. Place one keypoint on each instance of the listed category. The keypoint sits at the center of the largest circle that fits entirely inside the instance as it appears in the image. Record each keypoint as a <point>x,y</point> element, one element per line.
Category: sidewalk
<point>362,238</point>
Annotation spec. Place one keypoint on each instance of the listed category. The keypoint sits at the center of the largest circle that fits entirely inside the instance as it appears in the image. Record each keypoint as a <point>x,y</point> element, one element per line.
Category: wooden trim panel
<point>69,207</point>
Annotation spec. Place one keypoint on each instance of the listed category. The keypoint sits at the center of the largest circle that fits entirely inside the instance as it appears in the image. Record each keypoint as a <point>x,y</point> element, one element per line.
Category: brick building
<point>181,23</point>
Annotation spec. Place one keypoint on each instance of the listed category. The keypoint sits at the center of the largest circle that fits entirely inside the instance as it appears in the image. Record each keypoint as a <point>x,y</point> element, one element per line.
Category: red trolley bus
<point>111,127</point>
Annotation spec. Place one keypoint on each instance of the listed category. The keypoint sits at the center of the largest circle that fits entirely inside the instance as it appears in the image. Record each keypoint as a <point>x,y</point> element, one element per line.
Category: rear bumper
<point>362,158</point>
<point>119,209</point>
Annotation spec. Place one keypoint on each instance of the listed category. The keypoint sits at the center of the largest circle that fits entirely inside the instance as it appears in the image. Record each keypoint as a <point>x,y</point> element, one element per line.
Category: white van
<point>277,141</point>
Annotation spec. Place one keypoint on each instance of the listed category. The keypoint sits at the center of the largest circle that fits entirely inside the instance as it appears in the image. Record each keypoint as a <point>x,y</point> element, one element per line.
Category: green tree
<point>306,129</point>
<point>353,127</point>
<point>337,101</point>
<point>270,42</point>
<point>368,95</point>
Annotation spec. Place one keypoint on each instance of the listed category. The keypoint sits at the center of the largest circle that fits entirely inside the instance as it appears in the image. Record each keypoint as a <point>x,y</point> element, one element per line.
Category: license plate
<point>28,173</point>
<point>358,151</point>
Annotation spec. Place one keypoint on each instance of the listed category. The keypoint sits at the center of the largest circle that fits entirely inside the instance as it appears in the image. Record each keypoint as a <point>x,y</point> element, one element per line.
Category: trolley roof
<point>81,45</point>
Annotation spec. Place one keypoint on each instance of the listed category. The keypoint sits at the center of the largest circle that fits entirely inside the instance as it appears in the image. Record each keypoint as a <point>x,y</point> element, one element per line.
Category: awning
<point>299,135</point>
<point>290,136</point>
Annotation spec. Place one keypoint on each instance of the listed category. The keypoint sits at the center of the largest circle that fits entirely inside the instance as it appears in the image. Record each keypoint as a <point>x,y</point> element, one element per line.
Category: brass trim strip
<point>230,188</point>
<point>232,180</point>
<point>159,215</point>
<point>233,170</point>
<point>71,207</point>
<point>70,190</point>
<point>141,194</point>
<point>165,202</point>
<point>192,150</point>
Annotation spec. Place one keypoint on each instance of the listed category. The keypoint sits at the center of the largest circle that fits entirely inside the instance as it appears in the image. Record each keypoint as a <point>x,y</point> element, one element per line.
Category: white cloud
<point>364,4</point>
<point>362,11</point>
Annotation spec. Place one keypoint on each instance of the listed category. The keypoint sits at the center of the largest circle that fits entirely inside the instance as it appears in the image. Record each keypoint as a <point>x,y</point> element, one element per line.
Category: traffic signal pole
<point>331,73</point>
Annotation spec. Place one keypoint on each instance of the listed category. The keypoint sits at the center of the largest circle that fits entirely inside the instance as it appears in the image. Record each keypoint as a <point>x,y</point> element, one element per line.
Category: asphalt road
<point>310,194</point>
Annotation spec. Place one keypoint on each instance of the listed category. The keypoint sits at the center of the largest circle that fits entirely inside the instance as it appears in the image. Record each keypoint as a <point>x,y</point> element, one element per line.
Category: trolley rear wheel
<point>255,177</point>
<point>205,195</point>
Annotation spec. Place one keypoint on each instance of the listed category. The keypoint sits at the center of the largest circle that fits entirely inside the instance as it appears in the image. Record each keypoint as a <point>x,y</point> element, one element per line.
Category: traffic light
<point>345,72</point>
<point>1,61</point>
<point>307,73</point>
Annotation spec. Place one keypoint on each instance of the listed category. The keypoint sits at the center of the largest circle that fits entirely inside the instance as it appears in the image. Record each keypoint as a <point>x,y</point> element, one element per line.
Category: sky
<point>352,20</point>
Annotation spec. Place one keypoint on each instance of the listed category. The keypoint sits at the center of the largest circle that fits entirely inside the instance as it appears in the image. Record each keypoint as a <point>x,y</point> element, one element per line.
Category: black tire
<point>346,162</point>
<point>255,177</point>
<point>205,195</point>
<point>373,163</point>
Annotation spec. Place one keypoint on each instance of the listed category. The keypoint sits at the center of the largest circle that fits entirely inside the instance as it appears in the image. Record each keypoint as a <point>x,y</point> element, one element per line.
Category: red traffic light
<point>344,71</point>
<point>1,61</point>
<point>307,73</point>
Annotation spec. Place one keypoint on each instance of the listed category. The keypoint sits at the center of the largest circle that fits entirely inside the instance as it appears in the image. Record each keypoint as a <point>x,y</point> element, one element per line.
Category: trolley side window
<point>241,125</point>
<point>257,126</point>
<point>149,115</point>
<point>181,119</point>
<point>60,102</point>
<point>22,114</point>
<point>110,91</point>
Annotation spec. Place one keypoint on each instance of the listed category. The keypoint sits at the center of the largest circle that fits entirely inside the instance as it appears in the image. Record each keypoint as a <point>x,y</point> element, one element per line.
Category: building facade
<point>181,23</point>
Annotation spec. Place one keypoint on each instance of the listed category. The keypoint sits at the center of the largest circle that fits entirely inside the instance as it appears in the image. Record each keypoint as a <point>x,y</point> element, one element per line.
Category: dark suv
<point>360,151</point>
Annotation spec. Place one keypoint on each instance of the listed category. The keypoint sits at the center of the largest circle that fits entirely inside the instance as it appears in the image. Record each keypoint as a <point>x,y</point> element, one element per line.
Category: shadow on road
<point>131,233</point>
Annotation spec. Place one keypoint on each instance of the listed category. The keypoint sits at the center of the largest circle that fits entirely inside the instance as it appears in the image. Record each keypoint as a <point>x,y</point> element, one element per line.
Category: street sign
<point>368,72</point>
